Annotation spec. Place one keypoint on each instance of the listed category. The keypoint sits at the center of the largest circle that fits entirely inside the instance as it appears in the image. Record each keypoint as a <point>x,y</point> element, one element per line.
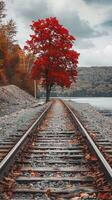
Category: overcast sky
<point>89,20</point>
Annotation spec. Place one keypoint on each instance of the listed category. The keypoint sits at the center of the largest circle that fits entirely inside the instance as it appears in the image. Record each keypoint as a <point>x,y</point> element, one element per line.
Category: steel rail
<point>8,160</point>
<point>103,161</point>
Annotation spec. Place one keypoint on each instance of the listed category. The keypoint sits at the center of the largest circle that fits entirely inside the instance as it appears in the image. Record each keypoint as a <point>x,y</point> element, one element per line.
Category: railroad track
<point>55,159</point>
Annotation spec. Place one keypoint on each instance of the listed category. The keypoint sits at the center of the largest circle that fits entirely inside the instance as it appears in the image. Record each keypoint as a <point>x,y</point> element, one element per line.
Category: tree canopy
<point>55,60</point>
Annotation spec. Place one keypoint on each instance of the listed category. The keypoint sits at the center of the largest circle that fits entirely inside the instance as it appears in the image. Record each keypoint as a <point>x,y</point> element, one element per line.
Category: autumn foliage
<point>56,62</point>
<point>8,55</point>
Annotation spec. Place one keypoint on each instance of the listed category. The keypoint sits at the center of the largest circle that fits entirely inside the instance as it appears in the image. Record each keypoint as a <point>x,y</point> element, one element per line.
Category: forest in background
<point>14,64</point>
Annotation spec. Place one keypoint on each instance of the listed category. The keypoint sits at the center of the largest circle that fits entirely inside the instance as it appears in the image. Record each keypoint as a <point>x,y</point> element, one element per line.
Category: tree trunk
<point>48,90</point>
<point>35,89</point>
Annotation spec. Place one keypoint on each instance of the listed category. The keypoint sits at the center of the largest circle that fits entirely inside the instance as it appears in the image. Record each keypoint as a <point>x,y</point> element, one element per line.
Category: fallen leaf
<point>76,198</point>
<point>84,195</point>
<point>104,196</point>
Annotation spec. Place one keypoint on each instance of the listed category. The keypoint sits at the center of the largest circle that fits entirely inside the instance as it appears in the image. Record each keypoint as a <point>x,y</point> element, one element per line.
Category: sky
<point>90,21</point>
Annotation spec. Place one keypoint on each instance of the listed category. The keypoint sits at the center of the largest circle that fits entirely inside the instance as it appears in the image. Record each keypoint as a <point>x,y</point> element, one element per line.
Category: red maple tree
<point>56,62</point>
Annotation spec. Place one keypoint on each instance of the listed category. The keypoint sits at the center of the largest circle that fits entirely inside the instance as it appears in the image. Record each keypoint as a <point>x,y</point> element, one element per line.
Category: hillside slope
<point>91,81</point>
<point>13,98</point>
<point>94,81</point>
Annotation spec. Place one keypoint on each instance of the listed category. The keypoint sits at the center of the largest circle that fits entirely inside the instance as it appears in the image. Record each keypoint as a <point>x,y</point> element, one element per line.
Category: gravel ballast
<point>18,122</point>
<point>18,109</point>
<point>94,120</point>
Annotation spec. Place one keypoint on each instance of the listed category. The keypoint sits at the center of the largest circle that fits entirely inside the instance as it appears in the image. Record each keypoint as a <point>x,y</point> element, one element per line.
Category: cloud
<point>69,17</point>
<point>88,20</point>
<point>107,24</point>
<point>103,2</point>
<point>79,27</point>
<point>96,57</point>
<point>32,11</point>
<point>84,44</point>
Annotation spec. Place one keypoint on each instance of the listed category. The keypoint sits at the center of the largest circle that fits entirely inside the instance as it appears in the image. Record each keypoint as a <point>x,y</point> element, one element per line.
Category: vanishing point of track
<point>56,158</point>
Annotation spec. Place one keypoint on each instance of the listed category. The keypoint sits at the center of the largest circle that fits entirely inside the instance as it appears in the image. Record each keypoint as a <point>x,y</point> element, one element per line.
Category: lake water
<point>99,102</point>
<point>102,104</point>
